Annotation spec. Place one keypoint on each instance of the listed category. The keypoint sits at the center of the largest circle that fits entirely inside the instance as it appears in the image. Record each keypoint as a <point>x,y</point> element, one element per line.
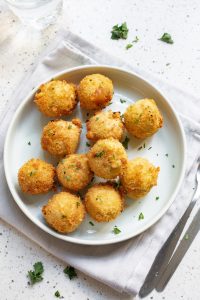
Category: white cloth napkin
<point>122,266</point>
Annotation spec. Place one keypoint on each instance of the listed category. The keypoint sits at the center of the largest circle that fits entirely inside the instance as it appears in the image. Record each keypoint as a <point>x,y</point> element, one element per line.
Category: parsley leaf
<point>135,40</point>
<point>166,37</point>
<point>87,144</point>
<point>57,294</point>
<point>35,276</point>
<point>116,230</point>
<point>128,46</point>
<point>186,237</point>
<point>122,101</point>
<point>99,154</point>
<point>117,184</point>
<point>70,271</point>
<point>138,149</point>
<point>29,143</point>
<point>141,216</point>
<point>119,32</point>
<point>91,223</point>
<point>157,198</point>
<point>125,142</point>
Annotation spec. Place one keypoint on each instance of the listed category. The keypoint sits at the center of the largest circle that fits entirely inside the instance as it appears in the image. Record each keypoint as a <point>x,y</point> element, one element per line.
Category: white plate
<point>27,125</point>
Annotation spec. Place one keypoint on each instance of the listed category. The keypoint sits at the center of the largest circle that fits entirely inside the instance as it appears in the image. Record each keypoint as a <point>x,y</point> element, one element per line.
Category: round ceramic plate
<point>165,149</point>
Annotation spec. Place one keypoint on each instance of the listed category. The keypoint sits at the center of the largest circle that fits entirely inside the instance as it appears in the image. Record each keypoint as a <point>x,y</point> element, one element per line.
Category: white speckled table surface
<point>179,64</point>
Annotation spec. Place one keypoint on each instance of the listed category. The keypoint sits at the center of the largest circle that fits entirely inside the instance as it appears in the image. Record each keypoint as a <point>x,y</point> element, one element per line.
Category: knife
<point>180,252</point>
<point>165,253</point>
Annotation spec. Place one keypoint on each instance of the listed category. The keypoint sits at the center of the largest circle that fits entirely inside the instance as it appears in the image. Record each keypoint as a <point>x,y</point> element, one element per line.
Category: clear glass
<point>37,13</point>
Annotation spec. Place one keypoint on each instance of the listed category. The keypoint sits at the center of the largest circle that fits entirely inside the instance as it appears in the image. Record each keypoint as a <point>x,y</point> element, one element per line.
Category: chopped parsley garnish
<point>70,126</point>
<point>166,37</point>
<point>149,148</point>
<point>167,64</point>
<point>122,101</point>
<point>87,144</point>
<point>91,223</point>
<point>128,46</point>
<point>141,216</point>
<point>119,32</point>
<point>135,40</point>
<point>186,237</point>
<point>57,294</point>
<point>97,118</point>
<point>144,145</point>
<point>99,154</point>
<point>35,275</point>
<point>125,142</point>
<point>116,230</point>
<point>139,148</point>
<point>117,184</point>
<point>166,155</point>
<point>29,143</point>
<point>78,204</point>
<point>109,103</point>
<point>32,173</point>
<point>173,166</point>
<point>122,116</point>
<point>157,198</point>
<point>70,271</point>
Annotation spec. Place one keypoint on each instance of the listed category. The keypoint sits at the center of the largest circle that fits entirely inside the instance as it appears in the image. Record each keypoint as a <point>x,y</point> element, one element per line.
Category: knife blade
<point>165,253</point>
<point>180,252</point>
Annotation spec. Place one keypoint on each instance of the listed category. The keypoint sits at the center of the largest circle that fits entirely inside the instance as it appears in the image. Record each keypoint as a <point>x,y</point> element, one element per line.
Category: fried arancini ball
<point>95,91</point>
<point>74,172</point>
<point>103,203</point>
<point>61,137</point>
<point>56,98</point>
<point>64,212</point>
<point>106,158</point>
<point>105,124</point>
<point>143,118</point>
<point>138,177</point>
<point>36,176</point>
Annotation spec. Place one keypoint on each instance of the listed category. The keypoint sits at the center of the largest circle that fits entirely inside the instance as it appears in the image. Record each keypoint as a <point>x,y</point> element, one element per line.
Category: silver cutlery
<point>163,257</point>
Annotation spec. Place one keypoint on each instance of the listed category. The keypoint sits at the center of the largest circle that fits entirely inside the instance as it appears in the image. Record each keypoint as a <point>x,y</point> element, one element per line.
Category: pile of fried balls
<point>107,157</point>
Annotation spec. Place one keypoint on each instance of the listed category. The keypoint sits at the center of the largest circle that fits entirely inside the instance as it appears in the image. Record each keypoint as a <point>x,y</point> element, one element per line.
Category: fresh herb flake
<point>139,148</point>
<point>166,37</point>
<point>149,148</point>
<point>157,198</point>
<point>91,223</point>
<point>70,271</point>
<point>141,216</point>
<point>87,144</point>
<point>122,101</point>
<point>70,126</point>
<point>77,204</point>
<point>29,143</point>
<point>116,230</point>
<point>99,154</point>
<point>109,103</point>
<point>57,294</point>
<point>117,184</point>
<point>97,118</point>
<point>125,142</point>
<point>35,275</point>
<point>173,166</point>
<point>67,178</point>
<point>166,154</point>
<point>144,145</point>
<point>186,237</point>
<point>119,32</point>
<point>135,40</point>
<point>128,46</point>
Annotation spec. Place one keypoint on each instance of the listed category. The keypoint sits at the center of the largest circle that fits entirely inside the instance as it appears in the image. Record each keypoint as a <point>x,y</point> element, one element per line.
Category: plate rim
<point>76,240</point>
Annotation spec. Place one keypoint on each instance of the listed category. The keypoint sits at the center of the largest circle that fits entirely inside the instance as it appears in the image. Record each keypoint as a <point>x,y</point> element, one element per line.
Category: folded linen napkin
<point>127,263</point>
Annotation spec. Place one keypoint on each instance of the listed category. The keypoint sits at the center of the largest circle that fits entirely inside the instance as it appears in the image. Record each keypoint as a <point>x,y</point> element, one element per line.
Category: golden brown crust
<point>138,177</point>
<point>61,137</point>
<point>106,158</point>
<point>104,124</point>
<point>56,98</point>
<point>95,91</point>
<point>64,212</point>
<point>74,172</point>
<point>143,118</point>
<point>103,203</point>
<point>36,177</point>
